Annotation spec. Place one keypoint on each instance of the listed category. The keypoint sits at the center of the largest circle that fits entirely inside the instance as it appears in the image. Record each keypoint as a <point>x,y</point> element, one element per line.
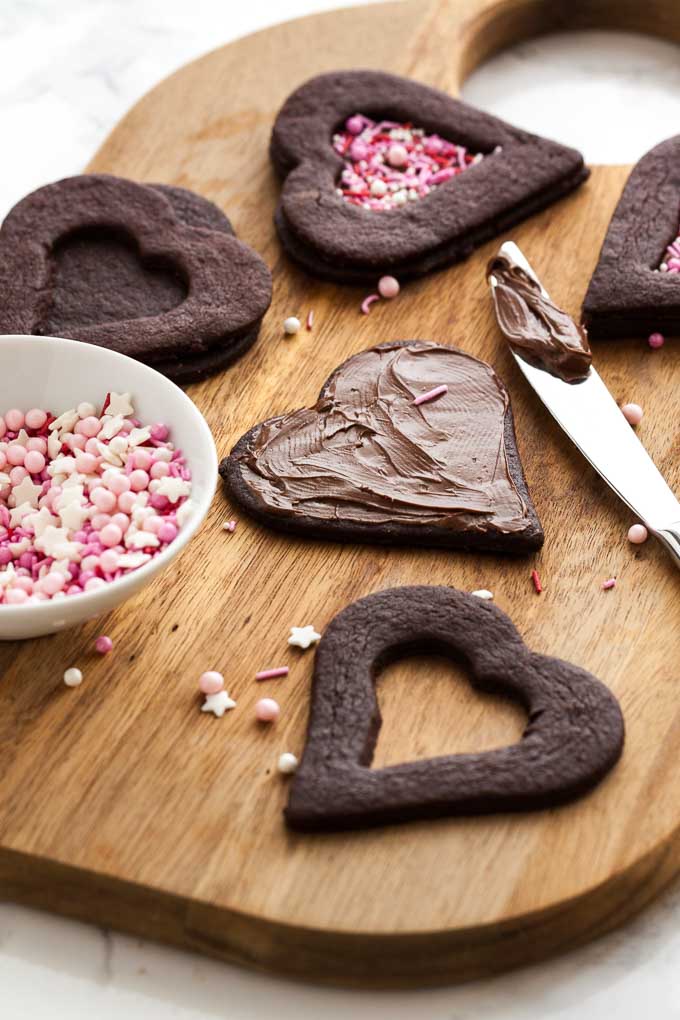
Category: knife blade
<point>592,419</point>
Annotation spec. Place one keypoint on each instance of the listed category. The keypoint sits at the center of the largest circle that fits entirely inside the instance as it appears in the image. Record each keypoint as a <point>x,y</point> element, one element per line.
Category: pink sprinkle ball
<point>35,419</point>
<point>103,644</point>
<point>14,420</point>
<point>210,682</point>
<point>633,413</point>
<point>388,287</point>
<point>638,534</point>
<point>656,340</point>
<point>397,156</point>
<point>267,710</point>
<point>355,125</point>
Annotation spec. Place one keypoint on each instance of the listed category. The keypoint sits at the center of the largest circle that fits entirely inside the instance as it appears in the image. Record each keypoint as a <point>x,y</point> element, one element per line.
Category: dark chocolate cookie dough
<point>628,295</point>
<point>366,464</point>
<point>334,239</point>
<point>151,271</point>
<point>574,734</point>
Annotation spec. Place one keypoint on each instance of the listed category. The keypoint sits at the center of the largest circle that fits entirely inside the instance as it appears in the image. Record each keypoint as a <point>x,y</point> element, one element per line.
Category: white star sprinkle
<point>55,544</point>
<point>22,438</point>
<point>120,403</point>
<point>138,436</point>
<point>4,480</point>
<point>53,445</point>
<point>112,427</point>
<point>65,422</point>
<point>73,515</point>
<point>25,492</point>
<point>173,488</point>
<point>140,539</point>
<point>39,521</point>
<point>218,703</point>
<point>303,637</point>
<point>17,515</point>
<point>482,593</point>
<point>7,576</point>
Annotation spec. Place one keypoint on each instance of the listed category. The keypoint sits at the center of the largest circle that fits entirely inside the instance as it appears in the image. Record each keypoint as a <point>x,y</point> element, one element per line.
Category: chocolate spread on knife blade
<point>366,453</point>
<point>535,328</point>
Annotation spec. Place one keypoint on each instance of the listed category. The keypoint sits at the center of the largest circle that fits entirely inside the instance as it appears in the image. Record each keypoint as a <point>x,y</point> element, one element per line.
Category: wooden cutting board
<point>122,804</point>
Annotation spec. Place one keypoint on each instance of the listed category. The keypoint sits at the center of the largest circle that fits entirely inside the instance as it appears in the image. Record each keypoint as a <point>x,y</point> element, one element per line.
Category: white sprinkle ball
<point>287,763</point>
<point>638,534</point>
<point>291,325</point>
<point>73,677</point>
<point>633,413</point>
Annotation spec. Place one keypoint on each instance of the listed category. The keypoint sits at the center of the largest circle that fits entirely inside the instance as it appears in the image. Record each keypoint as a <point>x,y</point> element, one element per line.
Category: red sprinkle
<point>537,582</point>
<point>310,319</point>
<point>607,585</point>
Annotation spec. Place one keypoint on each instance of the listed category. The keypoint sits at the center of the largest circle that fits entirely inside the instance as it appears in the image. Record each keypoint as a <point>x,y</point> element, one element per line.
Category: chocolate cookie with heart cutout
<point>574,734</point>
<point>371,463</point>
<point>383,174</point>
<point>151,271</point>
<point>635,289</point>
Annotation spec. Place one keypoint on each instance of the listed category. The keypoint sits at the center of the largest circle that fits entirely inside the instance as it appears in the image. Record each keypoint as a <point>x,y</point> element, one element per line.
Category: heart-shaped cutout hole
<point>99,276</point>
<point>387,164</point>
<point>429,707</point>
<point>573,738</point>
<point>630,294</point>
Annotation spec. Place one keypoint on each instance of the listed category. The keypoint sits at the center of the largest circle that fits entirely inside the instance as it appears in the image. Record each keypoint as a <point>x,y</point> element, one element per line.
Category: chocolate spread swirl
<point>365,453</point>
<point>534,327</point>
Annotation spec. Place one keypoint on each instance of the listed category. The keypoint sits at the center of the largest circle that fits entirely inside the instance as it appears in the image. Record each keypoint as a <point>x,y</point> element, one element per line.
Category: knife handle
<point>670,538</point>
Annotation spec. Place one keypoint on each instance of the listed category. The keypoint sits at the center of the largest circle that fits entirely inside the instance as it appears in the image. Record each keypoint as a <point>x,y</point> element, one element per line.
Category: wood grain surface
<point>121,803</point>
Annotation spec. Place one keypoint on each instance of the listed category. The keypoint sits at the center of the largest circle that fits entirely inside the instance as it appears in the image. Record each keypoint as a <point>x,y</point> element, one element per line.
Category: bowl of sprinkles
<point>107,469</point>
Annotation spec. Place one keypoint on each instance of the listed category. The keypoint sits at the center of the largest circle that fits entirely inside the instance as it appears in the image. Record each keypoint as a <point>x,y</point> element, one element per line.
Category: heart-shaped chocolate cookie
<point>574,734</point>
<point>151,271</point>
<point>369,464</point>
<point>374,182</point>
<point>634,291</point>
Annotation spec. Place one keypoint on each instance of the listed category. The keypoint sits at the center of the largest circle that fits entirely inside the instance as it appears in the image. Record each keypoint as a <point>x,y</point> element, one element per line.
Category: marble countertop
<point>69,71</point>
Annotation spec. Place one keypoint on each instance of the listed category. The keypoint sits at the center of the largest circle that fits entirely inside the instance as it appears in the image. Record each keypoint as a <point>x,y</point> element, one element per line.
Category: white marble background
<point>68,70</point>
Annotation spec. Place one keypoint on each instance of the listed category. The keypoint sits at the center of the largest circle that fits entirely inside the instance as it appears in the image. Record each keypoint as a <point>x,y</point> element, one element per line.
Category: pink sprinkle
<point>310,319</point>
<point>271,674</point>
<point>229,526</point>
<point>656,340</point>
<point>424,398</point>
<point>267,710</point>
<point>537,582</point>
<point>607,585</point>
<point>368,301</point>
<point>103,644</point>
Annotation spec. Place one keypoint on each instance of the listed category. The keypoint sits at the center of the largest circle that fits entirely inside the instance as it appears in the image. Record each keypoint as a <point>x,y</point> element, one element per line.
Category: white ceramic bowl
<point>58,374</point>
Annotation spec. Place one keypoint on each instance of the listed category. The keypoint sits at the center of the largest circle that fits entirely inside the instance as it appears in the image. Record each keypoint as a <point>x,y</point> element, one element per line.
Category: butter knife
<point>593,421</point>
